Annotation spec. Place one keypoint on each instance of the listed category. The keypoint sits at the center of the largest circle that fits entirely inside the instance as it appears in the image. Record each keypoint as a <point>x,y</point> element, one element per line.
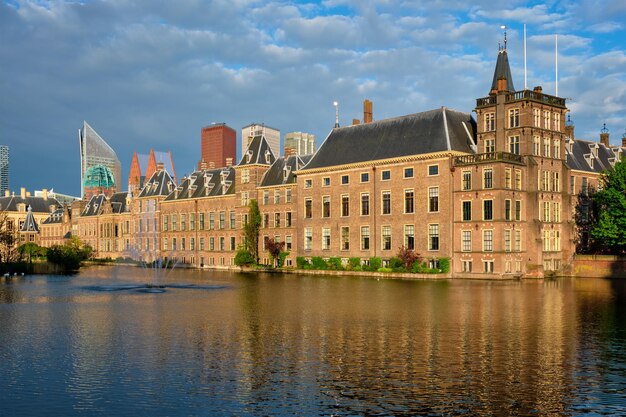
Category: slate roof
<point>592,156</point>
<point>118,202</point>
<point>213,182</point>
<point>30,225</point>
<point>37,204</point>
<point>94,206</point>
<point>158,185</point>
<point>282,171</point>
<point>431,131</point>
<point>259,152</point>
<point>503,70</point>
<point>56,217</point>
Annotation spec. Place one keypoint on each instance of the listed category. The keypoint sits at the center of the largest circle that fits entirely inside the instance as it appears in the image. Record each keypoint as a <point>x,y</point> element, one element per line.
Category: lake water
<point>222,343</point>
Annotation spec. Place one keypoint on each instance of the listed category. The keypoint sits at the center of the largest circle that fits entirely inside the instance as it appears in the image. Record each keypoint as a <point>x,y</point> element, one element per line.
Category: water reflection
<point>271,344</point>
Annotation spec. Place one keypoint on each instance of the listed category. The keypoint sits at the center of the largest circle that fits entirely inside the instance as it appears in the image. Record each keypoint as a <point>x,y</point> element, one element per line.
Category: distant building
<point>272,136</point>
<point>143,166</point>
<point>299,143</point>
<point>100,170</point>
<point>218,145</point>
<point>4,169</point>
<point>64,199</point>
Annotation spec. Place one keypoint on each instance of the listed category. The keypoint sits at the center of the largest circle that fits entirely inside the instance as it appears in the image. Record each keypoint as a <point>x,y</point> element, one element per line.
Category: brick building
<point>218,145</point>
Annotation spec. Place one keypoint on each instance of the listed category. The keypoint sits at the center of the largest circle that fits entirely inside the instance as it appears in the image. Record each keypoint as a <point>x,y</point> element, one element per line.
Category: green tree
<point>69,255</point>
<point>31,250</point>
<point>251,230</point>
<point>608,229</point>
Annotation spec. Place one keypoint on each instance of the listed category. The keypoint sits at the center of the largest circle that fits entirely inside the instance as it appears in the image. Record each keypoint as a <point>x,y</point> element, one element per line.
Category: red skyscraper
<point>218,143</point>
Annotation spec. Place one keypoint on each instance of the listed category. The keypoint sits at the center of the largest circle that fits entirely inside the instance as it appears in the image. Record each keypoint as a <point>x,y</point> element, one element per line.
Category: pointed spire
<point>30,224</point>
<point>502,79</point>
<point>152,165</point>
<point>134,177</point>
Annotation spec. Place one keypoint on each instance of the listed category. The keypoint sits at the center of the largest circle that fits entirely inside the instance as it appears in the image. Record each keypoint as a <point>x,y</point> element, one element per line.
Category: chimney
<point>7,193</point>
<point>604,135</point>
<point>211,165</point>
<point>160,166</point>
<point>229,162</point>
<point>538,89</point>
<point>356,122</point>
<point>623,141</point>
<point>44,194</point>
<point>27,193</point>
<point>203,165</point>
<point>367,112</point>
<point>23,192</point>
<point>289,151</point>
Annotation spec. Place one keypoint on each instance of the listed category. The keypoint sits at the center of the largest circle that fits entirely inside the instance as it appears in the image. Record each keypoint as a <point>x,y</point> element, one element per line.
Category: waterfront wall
<point>598,266</point>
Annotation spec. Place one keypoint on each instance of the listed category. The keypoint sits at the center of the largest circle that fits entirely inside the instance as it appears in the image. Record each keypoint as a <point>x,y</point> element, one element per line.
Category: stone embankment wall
<point>598,266</point>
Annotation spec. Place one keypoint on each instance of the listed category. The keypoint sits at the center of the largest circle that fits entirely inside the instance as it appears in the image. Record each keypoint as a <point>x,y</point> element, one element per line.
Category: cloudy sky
<point>147,73</point>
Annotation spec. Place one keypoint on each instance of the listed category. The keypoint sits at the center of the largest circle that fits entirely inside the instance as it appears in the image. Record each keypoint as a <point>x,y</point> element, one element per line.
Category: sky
<point>150,74</point>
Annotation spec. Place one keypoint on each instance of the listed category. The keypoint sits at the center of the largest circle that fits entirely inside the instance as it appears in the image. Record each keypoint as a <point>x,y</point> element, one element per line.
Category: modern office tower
<point>100,170</point>
<point>4,169</point>
<point>143,166</point>
<point>272,136</point>
<point>218,145</point>
<point>299,143</point>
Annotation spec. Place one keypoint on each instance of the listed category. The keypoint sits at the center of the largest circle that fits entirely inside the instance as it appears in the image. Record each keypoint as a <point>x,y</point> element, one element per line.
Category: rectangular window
<point>266,220</point>
<point>345,205</point>
<point>245,176</point>
<point>345,179</point>
<point>490,122</point>
<point>233,220</point>
<point>288,243</point>
<point>488,210</point>
<point>546,120</point>
<point>386,243</point>
<point>174,222</point>
<point>546,211</point>
<point>488,240</point>
<point>365,177</point>
<point>546,147</point>
<point>409,236</point>
<point>433,199</point>
<point>222,219</point>
<point>584,186</point>
<point>536,145</point>
<point>276,196</point>
<point>508,178</point>
<point>385,175</point>
<point>518,210</point>
<point>433,237</point>
<point>518,179</point>
<point>488,178</point>
<point>222,243</point>
<point>276,219</point>
<point>233,242</point>
<point>557,211</point>
<point>514,118</point>
<point>507,210</point>
<point>211,243</point>
<point>488,266</point>
<point>365,237</point>
<point>409,206</point>
<point>182,244</point>
<point>245,198</point>
<point>211,220</point>
<point>308,238</point>
<point>365,204</point>
<point>326,206</point>
<point>326,182</point>
<point>174,245</point>
<point>556,148</point>
<point>386,202</point>
<point>507,240</point>
<point>345,238</point>
<point>433,170</point>
<point>466,266</point>
<point>308,183</point>
<point>192,244</point>
<point>467,211</point>
<point>288,195</point>
<point>288,219</point>
<point>490,145</point>
<point>557,121</point>
<point>408,172</point>
<point>518,241</point>
<point>466,240</point>
<point>266,197</point>
<point>514,145</point>
<point>537,118</point>
<point>201,221</point>
<point>466,182</point>
<point>165,222</point>
<point>556,182</point>
<point>325,238</point>
<point>308,208</point>
<point>192,221</point>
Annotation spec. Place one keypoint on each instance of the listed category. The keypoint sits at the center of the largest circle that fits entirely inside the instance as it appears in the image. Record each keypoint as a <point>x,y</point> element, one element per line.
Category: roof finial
<point>503,27</point>
<point>336,104</point>
<point>604,129</point>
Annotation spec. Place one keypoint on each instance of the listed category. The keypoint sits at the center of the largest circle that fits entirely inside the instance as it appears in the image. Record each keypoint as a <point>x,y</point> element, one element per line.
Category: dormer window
<point>286,172</point>
<point>249,156</point>
<point>267,157</point>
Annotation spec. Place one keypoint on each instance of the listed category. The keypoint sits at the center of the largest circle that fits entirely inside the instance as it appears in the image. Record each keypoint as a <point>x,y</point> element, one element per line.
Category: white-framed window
<point>488,266</point>
<point>245,199</point>
<point>508,178</point>
<point>288,195</point>
<point>518,179</point>
<point>266,197</point>
<point>245,176</point>
<point>326,206</point>
<point>365,177</point>
<point>345,238</point>
<point>536,145</point>
<point>518,210</point>
<point>557,121</point>
<point>466,181</point>
<point>557,211</point>
<point>308,183</point>
<point>345,205</point>
<point>466,266</point>
<point>487,209</point>
<point>365,204</point>
<point>433,170</point>
<point>308,238</point>
<point>514,118</point>
<point>409,236</point>
<point>409,201</point>
<point>546,119</point>
<point>546,147</point>
<point>325,238</point>
<point>386,238</point>
<point>326,182</point>
<point>433,237</point>
<point>488,240</point>
<point>537,118</point>
<point>433,199</point>
<point>507,240</point>
<point>276,196</point>
<point>487,178</point>
<point>518,241</point>
<point>466,240</point>
<point>345,179</point>
<point>514,144</point>
<point>490,122</point>
<point>408,172</point>
<point>556,149</point>
<point>386,202</point>
<point>385,175</point>
<point>490,145</point>
<point>365,237</point>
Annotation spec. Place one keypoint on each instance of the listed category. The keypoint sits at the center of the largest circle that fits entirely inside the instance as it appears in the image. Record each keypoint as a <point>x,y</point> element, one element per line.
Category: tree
<point>408,257</point>
<point>69,255</point>
<point>8,237</point>
<point>608,227</point>
<point>31,250</point>
<point>275,247</point>
<point>243,257</point>
<point>251,230</point>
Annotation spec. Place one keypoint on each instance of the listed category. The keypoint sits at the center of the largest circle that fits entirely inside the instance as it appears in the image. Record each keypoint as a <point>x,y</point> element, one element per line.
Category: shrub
<point>243,257</point>
<point>302,262</point>
<point>335,264</point>
<point>318,263</point>
<point>419,267</point>
<point>281,258</point>
<point>353,263</point>
<point>408,257</point>
<point>395,263</point>
<point>444,265</point>
<point>375,263</point>
<point>385,269</point>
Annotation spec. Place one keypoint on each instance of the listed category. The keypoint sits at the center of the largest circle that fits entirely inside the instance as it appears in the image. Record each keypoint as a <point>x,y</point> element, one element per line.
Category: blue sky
<point>151,74</point>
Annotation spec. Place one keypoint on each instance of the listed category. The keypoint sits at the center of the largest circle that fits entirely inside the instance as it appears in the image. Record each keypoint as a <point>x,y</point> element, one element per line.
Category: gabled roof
<point>503,70</point>
<point>30,225</point>
<point>37,204</point>
<point>94,206</point>
<point>259,152</point>
<point>420,133</point>
<point>591,156</point>
<point>282,171</point>
<point>55,217</point>
<point>160,184</point>
<point>209,183</point>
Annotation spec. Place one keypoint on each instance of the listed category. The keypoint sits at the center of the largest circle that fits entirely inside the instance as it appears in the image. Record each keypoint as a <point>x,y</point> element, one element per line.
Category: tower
<point>100,168</point>
<point>218,143</point>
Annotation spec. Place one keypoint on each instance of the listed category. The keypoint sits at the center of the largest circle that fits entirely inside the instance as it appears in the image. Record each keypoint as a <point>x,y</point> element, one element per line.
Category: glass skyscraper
<point>4,169</point>
<point>100,170</point>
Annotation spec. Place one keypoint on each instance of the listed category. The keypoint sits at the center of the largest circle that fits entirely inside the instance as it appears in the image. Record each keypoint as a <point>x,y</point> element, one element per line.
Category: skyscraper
<point>272,136</point>
<point>4,169</point>
<point>299,143</point>
<point>218,144</point>
<point>100,170</point>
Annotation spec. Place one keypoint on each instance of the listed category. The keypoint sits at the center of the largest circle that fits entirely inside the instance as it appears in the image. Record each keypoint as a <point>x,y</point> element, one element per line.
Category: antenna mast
<point>336,104</point>
<point>525,77</point>
<point>556,61</point>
